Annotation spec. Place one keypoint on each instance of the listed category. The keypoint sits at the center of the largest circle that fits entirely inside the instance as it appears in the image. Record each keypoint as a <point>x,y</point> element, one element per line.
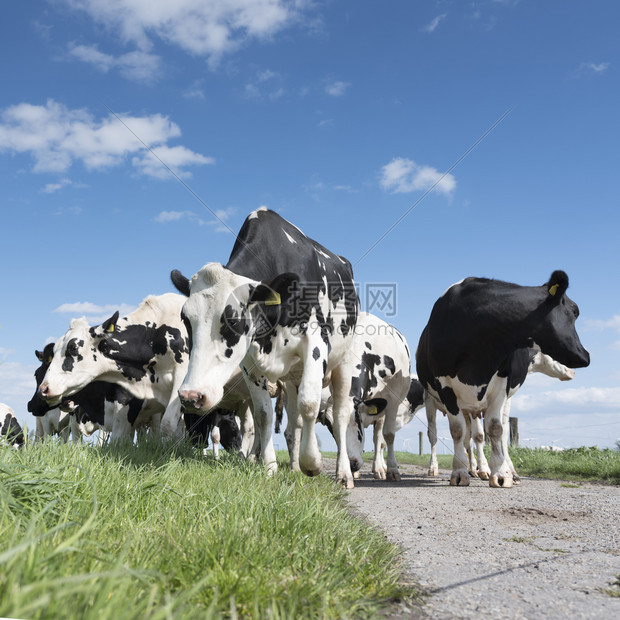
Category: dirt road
<point>543,549</point>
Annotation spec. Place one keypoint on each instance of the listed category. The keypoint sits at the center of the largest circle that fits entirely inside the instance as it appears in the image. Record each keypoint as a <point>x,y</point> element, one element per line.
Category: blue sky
<point>487,129</point>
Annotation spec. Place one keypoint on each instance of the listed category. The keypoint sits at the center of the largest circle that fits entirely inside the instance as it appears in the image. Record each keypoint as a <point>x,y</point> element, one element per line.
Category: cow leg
<point>76,433</point>
<point>343,406</point>
<point>379,469</point>
<point>500,472</point>
<point>155,425</point>
<point>215,440</point>
<point>431,429</point>
<point>40,430</point>
<point>458,430</point>
<point>263,418</point>
<point>477,435</point>
<point>121,427</point>
<point>389,434</point>
<point>472,465</point>
<point>292,432</point>
<point>506,438</point>
<point>246,425</point>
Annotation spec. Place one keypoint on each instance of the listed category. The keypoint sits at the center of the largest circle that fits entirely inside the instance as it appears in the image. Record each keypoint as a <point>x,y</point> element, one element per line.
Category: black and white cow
<point>50,420</point>
<point>522,363</point>
<point>145,353</point>
<point>100,405</point>
<point>11,432</point>
<point>378,370</point>
<point>464,354</point>
<point>221,425</point>
<point>283,307</point>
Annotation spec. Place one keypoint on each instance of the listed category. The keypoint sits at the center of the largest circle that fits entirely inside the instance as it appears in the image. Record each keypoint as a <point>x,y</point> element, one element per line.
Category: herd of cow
<point>281,319</point>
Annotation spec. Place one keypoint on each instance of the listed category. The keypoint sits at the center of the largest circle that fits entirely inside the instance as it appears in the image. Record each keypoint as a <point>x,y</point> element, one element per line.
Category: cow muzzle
<point>195,400</point>
<point>48,396</point>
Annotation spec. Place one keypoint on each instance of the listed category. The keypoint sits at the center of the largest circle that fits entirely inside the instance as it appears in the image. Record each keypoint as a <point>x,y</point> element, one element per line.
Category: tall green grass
<point>150,532</point>
<point>574,464</point>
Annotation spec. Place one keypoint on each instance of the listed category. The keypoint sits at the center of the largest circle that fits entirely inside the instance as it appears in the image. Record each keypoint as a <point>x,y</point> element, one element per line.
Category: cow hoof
<point>272,468</point>
<point>394,476</point>
<point>516,479</point>
<point>473,474</point>
<point>459,480</point>
<point>346,483</point>
<point>356,475</point>
<point>311,472</point>
<point>498,481</point>
<point>433,471</point>
<point>484,475</point>
<point>378,475</point>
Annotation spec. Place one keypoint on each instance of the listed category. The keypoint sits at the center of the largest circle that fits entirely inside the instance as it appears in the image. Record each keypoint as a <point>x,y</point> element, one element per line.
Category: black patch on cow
<point>134,348</point>
<point>232,326</point>
<point>482,392</point>
<point>316,353</point>
<point>324,367</point>
<point>368,345</point>
<point>228,352</point>
<point>263,252</point>
<point>389,363</point>
<point>72,354</point>
<point>199,428</point>
<point>11,429</point>
<point>415,395</point>
<point>366,379</point>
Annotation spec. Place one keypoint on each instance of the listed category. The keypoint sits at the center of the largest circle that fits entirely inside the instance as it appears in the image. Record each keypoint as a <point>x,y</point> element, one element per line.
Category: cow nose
<point>192,399</point>
<point>44,389</point>
<point>355,465</point>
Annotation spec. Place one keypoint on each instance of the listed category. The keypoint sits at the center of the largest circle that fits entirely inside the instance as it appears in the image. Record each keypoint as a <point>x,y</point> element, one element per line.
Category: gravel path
<point>543,549</point>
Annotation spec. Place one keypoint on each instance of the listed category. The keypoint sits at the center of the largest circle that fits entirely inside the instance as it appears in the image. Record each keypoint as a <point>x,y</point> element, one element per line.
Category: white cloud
<point>221,215</point>
<point>337,89</point>
<point>195,91</point>
<point>94,313</point>
<point>136,66</point>
<point>432,26</point>
<point>403,175</point>
<point>175,158</point>
<point>262,86</point>
<point>17,386</point>
<point>205,29</point>
<point>56,137</point>
<point>613,323</point>
<point>50,188</point>
<point>583,397</point>
<point>594,68</point>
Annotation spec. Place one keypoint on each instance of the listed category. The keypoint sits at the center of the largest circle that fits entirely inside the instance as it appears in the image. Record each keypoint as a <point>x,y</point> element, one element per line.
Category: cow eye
<point>103,346</point>
<point>72,348</point>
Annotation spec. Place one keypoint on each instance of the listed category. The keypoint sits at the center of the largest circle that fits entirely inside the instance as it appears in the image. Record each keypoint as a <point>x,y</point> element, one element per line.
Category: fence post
<point>421,442</point>
<point>514,432</point>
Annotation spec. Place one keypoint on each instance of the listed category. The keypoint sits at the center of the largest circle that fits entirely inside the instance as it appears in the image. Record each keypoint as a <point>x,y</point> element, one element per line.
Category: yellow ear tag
<point>274,300</point>
<point>372,411</point>
<point>554,289</point>
<point>110,329</point>
<point>49,359</point>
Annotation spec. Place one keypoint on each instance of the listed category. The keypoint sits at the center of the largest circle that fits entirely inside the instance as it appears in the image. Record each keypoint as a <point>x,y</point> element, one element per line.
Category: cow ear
<point>39,355</point>
<point>373,406</point>
<point>557,285</point>
<point>110,325</point>
<point>277,291</point>
<point>180,282</point>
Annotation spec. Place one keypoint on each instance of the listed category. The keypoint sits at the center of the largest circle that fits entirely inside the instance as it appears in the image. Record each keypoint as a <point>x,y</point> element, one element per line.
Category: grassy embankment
<point>126,532</point>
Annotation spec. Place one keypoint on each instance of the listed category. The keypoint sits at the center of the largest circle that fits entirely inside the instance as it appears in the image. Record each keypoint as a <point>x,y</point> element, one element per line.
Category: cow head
<point>36,405</point>
<point>78,359</point>
<point>225,315</point>
<point>554,324</point>
<point>365,413</point>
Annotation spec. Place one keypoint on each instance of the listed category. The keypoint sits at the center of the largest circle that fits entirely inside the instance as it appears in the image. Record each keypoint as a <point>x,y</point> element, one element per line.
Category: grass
<point>145,532</point>
<point>583,463</point>
<point>580,464</point>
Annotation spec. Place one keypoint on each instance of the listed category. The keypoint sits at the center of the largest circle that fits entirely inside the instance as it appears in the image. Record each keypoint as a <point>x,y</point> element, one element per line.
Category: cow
<point>220,424</point>
<point>11,432</point>
<point>145,353</point>
<point>283,307</point>
<point>377,367</point>
<point>464,353</point>
<point>99,405</point>
<point>522,363</point>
